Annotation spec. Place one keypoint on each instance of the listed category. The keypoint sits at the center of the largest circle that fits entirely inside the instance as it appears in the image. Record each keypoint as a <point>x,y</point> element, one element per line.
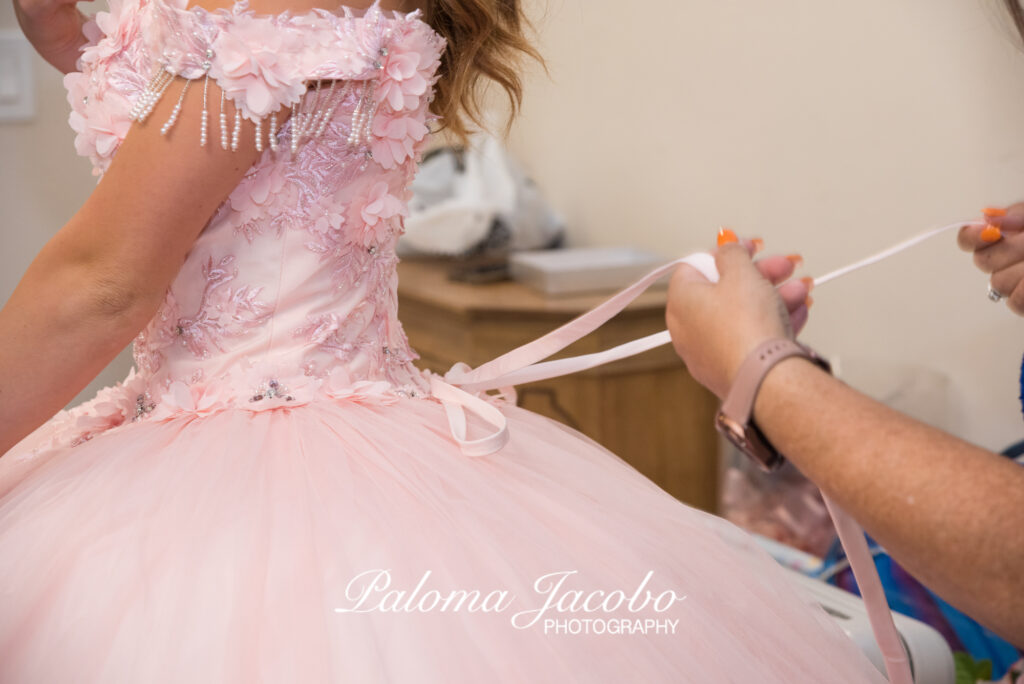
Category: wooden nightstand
<point>647,409</point>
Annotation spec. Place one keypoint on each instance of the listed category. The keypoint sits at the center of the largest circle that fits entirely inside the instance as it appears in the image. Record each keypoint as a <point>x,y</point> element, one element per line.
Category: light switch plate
<point>17,87</point>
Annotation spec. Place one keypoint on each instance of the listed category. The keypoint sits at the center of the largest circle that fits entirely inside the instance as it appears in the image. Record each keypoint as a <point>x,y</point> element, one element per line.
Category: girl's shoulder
<point>263,56</point>
<point>260,59</point>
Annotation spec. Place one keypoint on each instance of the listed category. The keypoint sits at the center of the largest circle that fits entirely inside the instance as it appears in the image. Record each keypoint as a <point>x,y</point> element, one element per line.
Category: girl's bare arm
<point>103,275</point>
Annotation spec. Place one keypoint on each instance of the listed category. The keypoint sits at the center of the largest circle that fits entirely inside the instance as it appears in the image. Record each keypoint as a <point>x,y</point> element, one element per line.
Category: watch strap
<point>739,403</point>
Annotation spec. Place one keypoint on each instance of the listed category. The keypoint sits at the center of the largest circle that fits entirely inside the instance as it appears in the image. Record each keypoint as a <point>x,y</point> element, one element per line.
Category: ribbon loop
<point>455,402</point>
<point>523,364</point>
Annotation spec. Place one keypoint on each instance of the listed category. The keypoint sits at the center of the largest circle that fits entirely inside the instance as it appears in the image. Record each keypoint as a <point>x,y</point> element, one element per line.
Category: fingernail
<point>809,282</point>
<point>795,258</point>
<point>726,236</point>
<point>758,245</point>
<point>809,301</point>
<point>993,212</point>
<point>991,233</point>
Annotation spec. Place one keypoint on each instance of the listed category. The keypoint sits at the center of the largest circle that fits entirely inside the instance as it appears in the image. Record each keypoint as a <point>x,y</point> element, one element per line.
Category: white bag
<point>476,199</point>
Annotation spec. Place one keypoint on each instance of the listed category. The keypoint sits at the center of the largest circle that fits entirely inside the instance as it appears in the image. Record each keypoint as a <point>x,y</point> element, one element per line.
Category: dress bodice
<point>289,292</point>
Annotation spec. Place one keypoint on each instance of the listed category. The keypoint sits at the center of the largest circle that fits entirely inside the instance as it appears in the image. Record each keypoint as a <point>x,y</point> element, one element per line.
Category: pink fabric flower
<point>111,407</point>
<point>258,193</point>
<point>396,139</point>
<point>377,211</point>
<point>200,399</point>
<point>254,65</point>
<point>99,110</point>
<point>77,85</point>
<point>135,385</point>
<point>407,71</point>
<point>106,411</point>
<point>116,29</point>
<point>330,217</point>
<point>339,385</point>
<point>91,31</point>
<point>101,122</point>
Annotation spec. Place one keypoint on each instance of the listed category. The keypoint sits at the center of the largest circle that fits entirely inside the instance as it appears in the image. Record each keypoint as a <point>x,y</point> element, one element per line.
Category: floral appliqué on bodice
<point>288,295</point>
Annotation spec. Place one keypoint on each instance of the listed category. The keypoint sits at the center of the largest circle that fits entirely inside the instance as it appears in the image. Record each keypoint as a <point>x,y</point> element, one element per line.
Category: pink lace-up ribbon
<point>457,390</point>
<point>460,389</point>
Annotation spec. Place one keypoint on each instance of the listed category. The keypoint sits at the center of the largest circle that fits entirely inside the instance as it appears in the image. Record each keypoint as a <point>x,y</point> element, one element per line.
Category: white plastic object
<point>577,270</point>
<point>930,656</point>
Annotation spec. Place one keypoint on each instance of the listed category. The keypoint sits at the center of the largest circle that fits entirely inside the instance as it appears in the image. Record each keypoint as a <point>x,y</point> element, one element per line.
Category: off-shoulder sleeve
<point>257,65</point>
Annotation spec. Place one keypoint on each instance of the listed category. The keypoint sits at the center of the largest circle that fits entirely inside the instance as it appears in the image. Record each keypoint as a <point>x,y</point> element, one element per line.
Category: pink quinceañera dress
<point>276,493</point>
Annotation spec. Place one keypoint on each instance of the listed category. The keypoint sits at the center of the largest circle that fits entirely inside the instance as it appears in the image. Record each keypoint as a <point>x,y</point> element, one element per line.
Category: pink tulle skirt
<point>330,543</point>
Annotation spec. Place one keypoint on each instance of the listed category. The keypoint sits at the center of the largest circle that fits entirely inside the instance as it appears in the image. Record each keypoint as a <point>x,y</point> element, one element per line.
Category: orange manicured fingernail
<point>795,258</point>
<point>726,236</point>
<point>809,282</point>
<point>758,245</point>
<point>991,233</point>
<point>809,301</point>
<point>993,212</point>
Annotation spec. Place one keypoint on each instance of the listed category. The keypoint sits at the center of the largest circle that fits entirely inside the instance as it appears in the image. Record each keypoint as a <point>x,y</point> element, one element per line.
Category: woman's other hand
<point>999,250</point>
<point>54,27</point>
<point>715,326</point>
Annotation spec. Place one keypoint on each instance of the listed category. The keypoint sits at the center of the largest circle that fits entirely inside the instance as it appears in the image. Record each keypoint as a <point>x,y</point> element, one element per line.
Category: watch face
<point>749,440</point>
<point>761,450</point>
<point>731,430</point>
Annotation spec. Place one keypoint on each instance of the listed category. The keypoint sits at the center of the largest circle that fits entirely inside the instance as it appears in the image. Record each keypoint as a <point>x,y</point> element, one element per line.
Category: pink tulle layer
<point>217,549</point>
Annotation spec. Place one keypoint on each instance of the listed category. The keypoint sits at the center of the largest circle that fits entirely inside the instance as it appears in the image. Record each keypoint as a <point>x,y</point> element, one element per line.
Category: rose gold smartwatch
<point>735,418</point>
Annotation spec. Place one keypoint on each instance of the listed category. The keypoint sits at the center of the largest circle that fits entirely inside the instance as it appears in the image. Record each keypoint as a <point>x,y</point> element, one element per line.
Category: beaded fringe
<point>309,118</point>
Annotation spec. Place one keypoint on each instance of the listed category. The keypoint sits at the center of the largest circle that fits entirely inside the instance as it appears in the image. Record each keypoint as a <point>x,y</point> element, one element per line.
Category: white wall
<point>832,129</point>
<point>828,128</point>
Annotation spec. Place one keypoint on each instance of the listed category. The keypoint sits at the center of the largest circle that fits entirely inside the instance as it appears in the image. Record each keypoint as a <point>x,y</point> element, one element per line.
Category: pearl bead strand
<point>320,120</point>
<point>147,101</point>
<point>140,102</point>
<point>272,134</point>
<point>358,121</point>
<point>237,131</point>
<point>314,119</point>
<point>368,129</point>
<point>223,123</point>
<point>342,94</point>
<point>173,118</point>
<point>295,130</point>
<point>203,124</point>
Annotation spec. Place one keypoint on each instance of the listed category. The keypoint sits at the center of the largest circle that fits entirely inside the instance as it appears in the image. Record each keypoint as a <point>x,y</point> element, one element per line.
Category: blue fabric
<point>1022,384</point>
<point>908,596</point>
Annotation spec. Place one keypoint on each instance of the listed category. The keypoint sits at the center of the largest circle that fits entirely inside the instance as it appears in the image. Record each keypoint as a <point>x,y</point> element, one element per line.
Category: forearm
<point>949,512</point>
<point>57,331</point>
<point>54,31</point>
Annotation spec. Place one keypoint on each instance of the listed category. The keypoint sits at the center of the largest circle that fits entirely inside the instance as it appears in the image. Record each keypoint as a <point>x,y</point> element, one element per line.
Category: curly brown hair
<point>486,41</point>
